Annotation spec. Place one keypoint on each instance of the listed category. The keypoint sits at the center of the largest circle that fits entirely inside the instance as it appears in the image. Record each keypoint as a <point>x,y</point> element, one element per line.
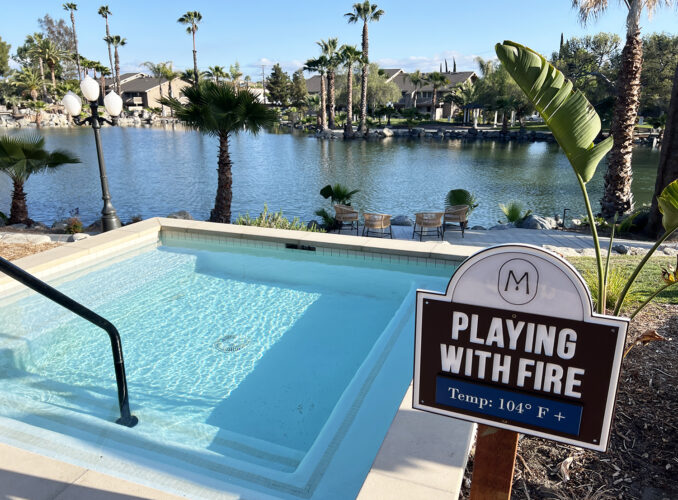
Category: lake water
<point>153,172</point>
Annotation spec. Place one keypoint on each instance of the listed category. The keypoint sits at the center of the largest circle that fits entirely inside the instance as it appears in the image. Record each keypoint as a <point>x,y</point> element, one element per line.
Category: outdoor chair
<point>377,224</point>
<point>346,215</point>
<point>429,223</point>
<point>456,214</point>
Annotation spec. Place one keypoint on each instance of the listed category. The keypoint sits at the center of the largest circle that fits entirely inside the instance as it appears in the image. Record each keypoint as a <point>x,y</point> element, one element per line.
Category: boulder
<point>672,252</point>
<point>478,228</point>
<point>401,220</point>
<point>387,132</point>
<point>95,227</point>
<point>18,226</point>
<point>181,214</point>
<point>77,237</point>
<point>39,225</point>
<point>60,225</point>
<point>621,249</point>
<point>537,222</point>
<point>34,239</point>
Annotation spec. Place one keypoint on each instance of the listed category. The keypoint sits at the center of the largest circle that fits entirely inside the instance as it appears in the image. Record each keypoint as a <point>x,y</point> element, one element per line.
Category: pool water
<point>249,363</point>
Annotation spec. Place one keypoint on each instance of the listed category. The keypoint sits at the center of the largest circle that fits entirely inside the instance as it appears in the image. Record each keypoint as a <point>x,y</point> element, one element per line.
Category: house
<point>139,91</point>
<point>425,94</point>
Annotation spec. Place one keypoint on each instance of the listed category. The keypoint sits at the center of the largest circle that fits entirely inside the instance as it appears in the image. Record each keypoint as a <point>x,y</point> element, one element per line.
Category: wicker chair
<point>346,215</point>
<point>377,224</point>
<point>428,222</point>
<point>456,214</point>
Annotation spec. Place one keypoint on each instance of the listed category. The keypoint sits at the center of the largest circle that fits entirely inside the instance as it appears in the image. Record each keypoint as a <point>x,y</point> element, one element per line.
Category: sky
<point>410,35</point>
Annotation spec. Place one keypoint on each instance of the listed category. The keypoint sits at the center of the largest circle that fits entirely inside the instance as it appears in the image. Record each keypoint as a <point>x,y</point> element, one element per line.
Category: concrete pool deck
<point>413,461</point>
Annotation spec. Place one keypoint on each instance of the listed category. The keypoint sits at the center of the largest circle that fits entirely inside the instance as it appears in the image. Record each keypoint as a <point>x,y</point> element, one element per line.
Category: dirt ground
<point>642,458</point>
<point>13,251</point>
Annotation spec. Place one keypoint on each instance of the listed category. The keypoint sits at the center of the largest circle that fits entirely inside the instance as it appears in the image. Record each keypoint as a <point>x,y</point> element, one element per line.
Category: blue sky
<point>411,35</point>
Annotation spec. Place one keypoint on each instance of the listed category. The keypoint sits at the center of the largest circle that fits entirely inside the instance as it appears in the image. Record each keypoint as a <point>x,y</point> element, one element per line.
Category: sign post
<point>514,344</point>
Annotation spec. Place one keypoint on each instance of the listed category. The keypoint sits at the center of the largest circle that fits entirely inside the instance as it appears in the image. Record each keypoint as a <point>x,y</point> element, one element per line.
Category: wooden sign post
<point>514,344</point>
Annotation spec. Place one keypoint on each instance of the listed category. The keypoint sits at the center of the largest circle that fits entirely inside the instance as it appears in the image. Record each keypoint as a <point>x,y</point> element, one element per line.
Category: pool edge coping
<point>71,255</point>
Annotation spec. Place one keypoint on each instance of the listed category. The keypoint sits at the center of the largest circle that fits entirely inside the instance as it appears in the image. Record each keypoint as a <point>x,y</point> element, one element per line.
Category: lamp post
<point>113,105</point>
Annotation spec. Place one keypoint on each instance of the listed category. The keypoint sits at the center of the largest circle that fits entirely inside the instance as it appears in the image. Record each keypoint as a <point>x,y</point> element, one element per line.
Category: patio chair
<point>346,215</point>
<point>377,224</point>
<point>456,214</point>
<point>428,223</point>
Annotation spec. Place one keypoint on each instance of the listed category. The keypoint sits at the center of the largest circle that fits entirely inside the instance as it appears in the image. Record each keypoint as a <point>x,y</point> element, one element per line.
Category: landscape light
<point>113,104</point>
<point>90,89</point>
<point>72,103</point>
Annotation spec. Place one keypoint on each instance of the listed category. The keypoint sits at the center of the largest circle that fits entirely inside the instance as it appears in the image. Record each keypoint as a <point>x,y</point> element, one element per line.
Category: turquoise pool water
<point>251,370</point>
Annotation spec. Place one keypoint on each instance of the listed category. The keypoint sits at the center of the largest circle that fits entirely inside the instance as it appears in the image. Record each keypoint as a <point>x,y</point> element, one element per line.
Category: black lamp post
<point>113,105</point>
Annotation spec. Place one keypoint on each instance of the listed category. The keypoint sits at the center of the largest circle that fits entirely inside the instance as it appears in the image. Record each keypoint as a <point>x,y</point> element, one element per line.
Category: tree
<point>235,74</point>
<point>62,36</point>
<point>104,12</point>
<point>618,197</point>
<point>329,50</point>
<point>29,80</point>
<point>170,75</point>
<point>116,41</point>
<point>34,51</point>
<point>192,18</point>
<point>667,170</point>
<point>158,71</point>
<point>349,56</point>
<point>72,7</point>
<point>418,81</point>
<point>215,109</point>
<point>437,81</point>
<point>4,57</point>
<point>299,92</point>
<point>45,50</point>
<point>278,86</point>
<point>379,91</point>
<point>22,156</point>
<point>319,65</point>
<point>365,12</point>
<point>216,72</point>
<point>660,57</point>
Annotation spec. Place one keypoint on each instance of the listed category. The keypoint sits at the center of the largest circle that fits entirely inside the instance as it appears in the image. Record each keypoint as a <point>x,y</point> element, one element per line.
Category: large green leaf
<point>567,113</point>
<point>668,206</point>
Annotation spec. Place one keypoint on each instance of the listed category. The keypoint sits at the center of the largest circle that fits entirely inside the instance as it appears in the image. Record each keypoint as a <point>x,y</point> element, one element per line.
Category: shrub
<point>461,197</point>
<point>514,211</point>
<point>73,225</point>
<point>275,220</point>
<point>3,218</point>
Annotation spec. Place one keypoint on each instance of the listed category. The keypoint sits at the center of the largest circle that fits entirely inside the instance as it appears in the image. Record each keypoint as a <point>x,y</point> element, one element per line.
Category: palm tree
<point>437,81</point>
<point>72,7</point>
<point>170,75</point>
<point>37,107</point>
<point>158,71</point>
<point>618,197</point>
<point>19,158</point>
<point>192,18</point>
<point>29,80</point>
<point>247,80</point>
<point>418,80</point>
<point>35,42</point>
<point>105,12</point>
<point>116,41</point>
<point>349,56</point>
<point>216,72</point>
<point>103,72</point>
<point>235,74</point>
<point>217,110</point>
<point>366,12</point>
<point>329,50</point>
<point>52,55</point>
<point>319,65</point>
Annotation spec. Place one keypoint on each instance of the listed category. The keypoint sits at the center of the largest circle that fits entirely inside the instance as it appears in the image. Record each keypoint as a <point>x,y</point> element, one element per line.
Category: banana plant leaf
<point>668,206</point>
<point>567,113</point>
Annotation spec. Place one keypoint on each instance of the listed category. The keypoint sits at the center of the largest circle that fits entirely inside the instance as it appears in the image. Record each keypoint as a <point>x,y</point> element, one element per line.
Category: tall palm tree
<point>158,71</point>
<point>319,65</point>
<point>192,18</point>
<point>349,56</point>
<point>72,7</point>
<point>104,12</point>
<point>329,50</point>
<point>52,55</point>
<point>35,41</point>
<point>418,80</point>
<point>21,156</point>
<point>618,197</point>
<point>217,110</point>
<point>437,81</point>
<point>103,72</point>
<point>365,12</point>
<point>216,72</point>
<point>116,41</point>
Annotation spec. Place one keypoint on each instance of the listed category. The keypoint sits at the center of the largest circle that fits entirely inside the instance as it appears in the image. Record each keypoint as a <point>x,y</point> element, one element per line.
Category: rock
<point>621,249</point>
<point>502,226</point>
<point>562,251</point>
<point>35,239</point>
<point>537,222</point>
<point>95,227</point>
<point>39,225</point>
<point>401,220</point>
<point>2,222</point>
<point>572,224</point>
<point>181,214</point>
<point>18,226</point>
<point>60,225</point>
<point>77,237</point>
<point>312,224</point>
<point>672,252</point>
<point>478,228</point>
<point>387,132</point>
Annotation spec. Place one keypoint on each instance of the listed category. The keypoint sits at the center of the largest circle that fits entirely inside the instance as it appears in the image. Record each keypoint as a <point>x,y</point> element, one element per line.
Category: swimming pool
<point>254,371</point>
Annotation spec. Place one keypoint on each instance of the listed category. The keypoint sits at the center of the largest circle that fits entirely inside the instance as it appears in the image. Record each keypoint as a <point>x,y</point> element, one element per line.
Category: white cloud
<point>431,63</point>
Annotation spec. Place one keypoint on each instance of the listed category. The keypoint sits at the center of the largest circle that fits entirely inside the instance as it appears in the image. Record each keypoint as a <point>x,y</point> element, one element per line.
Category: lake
<point>155,171</point>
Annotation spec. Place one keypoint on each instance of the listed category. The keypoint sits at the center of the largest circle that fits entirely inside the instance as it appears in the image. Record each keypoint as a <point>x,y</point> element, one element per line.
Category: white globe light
<point>90,89</point>
<point>72,103</point>
<point>113,104</point>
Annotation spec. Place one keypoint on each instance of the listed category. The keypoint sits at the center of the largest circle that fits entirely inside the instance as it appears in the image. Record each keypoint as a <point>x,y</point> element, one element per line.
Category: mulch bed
<point>13,251</point>
<point>642,458</point>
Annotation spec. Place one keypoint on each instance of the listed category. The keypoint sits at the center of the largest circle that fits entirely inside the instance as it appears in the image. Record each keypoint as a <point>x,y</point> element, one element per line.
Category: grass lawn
<point>646,283</point>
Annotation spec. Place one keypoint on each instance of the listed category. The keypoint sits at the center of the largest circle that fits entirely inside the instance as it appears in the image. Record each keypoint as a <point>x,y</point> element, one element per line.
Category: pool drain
<point>230,343</point>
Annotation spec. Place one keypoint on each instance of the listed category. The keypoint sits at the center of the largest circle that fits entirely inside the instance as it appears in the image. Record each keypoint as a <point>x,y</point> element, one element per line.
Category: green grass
<point>649,279</point>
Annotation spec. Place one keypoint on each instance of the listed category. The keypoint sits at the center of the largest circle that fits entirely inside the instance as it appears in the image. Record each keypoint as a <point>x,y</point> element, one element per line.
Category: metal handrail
<point>126,418</point>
